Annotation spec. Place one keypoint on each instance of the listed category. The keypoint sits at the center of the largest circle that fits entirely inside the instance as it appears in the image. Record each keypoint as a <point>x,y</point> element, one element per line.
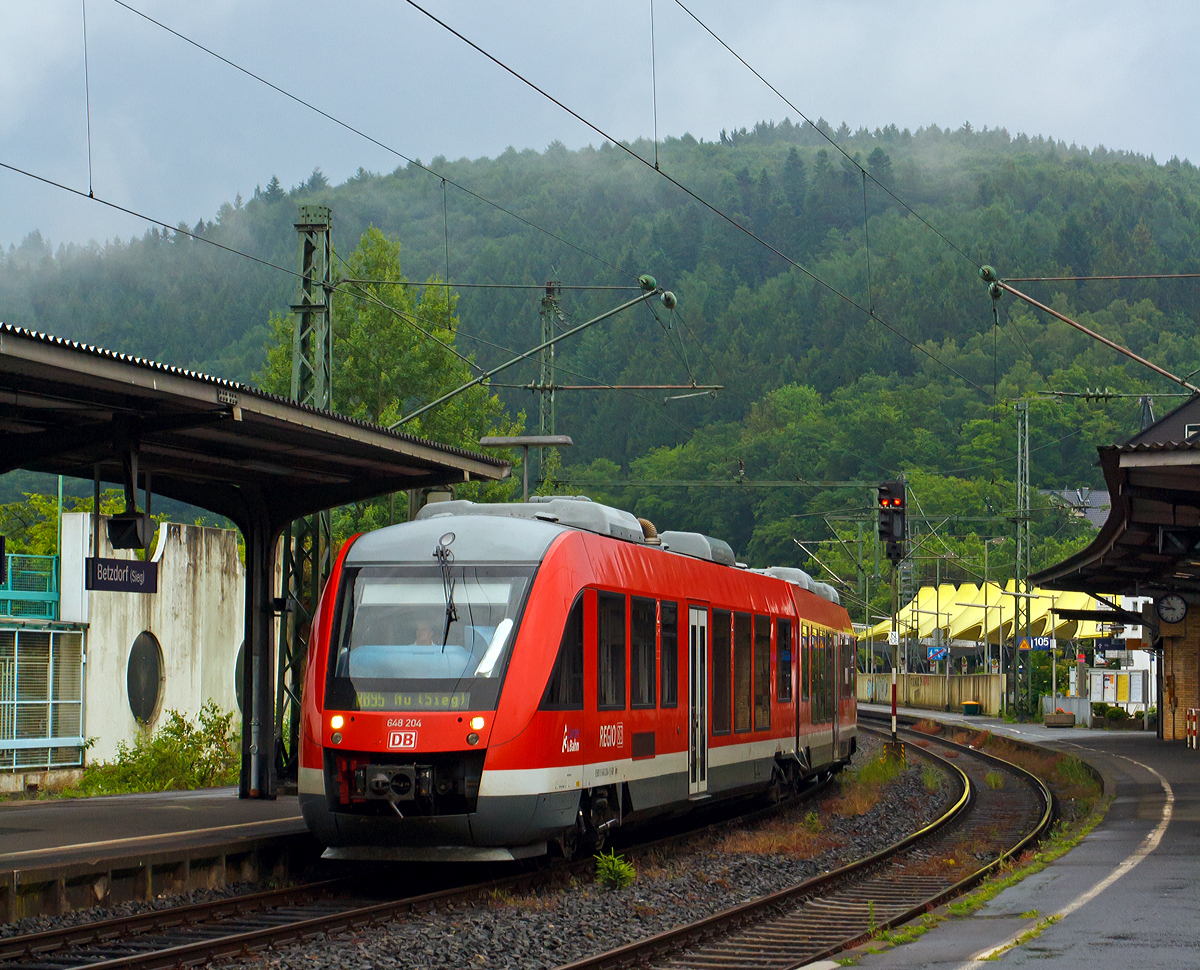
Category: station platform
<point>1127,895</point>
<point>65,853</point>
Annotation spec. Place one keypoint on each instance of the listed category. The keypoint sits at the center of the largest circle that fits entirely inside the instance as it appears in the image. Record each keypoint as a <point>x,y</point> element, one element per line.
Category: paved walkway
<point>1128,895</point>
<point>54,830</point>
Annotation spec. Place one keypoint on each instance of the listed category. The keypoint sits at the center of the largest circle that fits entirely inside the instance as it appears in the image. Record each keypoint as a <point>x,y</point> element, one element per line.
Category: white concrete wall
<point>196,616</point>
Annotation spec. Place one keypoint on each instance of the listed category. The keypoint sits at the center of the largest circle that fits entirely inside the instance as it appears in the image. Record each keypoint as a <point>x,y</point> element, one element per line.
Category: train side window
<point>642,621</point>
<point>721,702</point>
<point>783,661</point>
<point>762,673</point>
<point>670,654</point>
<point>742,667</point>
<point>805,663</point>
<point>564,690</point>
<point>610,652</point>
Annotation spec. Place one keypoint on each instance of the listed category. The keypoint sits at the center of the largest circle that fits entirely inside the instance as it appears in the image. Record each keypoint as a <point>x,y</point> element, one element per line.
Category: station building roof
<point>68,408</point>
<point>1150,542</point>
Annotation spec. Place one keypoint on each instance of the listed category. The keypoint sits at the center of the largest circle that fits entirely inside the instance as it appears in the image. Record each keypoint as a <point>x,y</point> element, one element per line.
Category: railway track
<point>198,933</point>
<point>813,919</point>
<point>1003,809</point>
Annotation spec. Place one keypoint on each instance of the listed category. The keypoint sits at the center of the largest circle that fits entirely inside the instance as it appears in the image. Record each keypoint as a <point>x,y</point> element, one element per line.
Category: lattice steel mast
<point>307,542</point>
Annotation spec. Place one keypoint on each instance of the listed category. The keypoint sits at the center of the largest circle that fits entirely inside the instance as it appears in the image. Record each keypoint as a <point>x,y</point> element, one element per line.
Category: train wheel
<point>779,789</point>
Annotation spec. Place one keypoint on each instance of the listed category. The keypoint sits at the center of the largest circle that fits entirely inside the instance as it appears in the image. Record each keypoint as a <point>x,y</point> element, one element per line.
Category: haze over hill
<point>814,388</point>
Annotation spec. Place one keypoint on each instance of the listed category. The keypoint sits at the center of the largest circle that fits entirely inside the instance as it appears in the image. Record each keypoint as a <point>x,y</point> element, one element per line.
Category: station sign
<point>893,638</point>
<point>122,575</point>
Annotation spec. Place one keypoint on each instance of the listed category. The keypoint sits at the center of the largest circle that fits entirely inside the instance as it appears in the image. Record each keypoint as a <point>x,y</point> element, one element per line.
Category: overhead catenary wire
<point>1085,279</point>
<point>490,286</point>
<point>925,222</point>
<point>364,135</point>
<point>87,99</point>
<point>698,198</point>
<point>459,332</point>
<point>139,215</point>
<point>411,319</point>
<point>654,83</point>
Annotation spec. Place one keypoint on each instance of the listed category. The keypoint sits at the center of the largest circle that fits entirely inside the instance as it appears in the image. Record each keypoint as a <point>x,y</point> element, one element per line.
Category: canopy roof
<point>986,614</point>
<point>70,409</point>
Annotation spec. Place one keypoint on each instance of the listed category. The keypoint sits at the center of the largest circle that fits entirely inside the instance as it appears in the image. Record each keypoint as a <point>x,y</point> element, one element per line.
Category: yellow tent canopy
<point>986,614</point>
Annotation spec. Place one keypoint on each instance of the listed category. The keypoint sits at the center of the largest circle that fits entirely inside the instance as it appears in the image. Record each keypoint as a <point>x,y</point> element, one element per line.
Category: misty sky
<point>175,132</point>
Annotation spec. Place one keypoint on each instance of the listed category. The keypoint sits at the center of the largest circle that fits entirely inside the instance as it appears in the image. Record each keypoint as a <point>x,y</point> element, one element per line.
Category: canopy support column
<point>258,682</point>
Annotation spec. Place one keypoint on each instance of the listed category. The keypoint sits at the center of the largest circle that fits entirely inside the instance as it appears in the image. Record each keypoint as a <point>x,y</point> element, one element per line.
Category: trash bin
<point>971,708</point>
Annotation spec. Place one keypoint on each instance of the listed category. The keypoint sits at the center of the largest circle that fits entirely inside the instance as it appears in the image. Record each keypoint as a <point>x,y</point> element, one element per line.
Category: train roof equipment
<point>529,540</point>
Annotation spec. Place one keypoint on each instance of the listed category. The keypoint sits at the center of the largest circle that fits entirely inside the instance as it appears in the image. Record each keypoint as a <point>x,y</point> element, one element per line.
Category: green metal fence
<point>30,588</point>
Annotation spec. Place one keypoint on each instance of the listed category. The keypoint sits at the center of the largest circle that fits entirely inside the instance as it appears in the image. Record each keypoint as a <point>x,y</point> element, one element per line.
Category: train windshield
<point>420,639</point>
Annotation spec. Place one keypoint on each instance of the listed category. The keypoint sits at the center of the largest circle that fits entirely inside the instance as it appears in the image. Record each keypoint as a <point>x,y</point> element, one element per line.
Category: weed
<point>614,871</point>
<point>1031,914</point>
<point>179,756</point>
<point>872,926</point>
<point>780,837</point>
<point>995,780</point>
<point>932,778</point>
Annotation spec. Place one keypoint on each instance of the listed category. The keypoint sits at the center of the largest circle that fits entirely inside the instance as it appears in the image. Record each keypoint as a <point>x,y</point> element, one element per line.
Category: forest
<point>872,350</point>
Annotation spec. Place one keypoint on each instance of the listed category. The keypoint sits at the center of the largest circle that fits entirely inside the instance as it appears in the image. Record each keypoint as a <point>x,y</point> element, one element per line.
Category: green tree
<point>394,350</point>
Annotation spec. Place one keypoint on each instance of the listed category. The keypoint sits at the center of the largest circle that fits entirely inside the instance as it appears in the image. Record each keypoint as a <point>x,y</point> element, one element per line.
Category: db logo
<point>402,739</point>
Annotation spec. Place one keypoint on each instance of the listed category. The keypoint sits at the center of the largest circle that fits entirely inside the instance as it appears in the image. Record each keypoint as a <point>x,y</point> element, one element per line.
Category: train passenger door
<point>697,700</point>
<point>836,676</point>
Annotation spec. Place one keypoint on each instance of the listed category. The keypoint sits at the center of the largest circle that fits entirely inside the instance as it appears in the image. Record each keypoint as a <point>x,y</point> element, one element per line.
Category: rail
<point>819,917</point>
<point>197,933</point>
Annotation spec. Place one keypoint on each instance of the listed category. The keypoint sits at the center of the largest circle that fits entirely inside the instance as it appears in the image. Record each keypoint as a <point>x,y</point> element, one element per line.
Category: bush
<point>1115,715</point>
<point>1100,709</point>
<point>613,871</point>
<point>179,756</point>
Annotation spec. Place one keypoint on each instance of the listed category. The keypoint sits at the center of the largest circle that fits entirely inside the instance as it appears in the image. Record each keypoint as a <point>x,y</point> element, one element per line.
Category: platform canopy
<point>1150,543</point>
<point>66,408</point>
<point>261,460</point>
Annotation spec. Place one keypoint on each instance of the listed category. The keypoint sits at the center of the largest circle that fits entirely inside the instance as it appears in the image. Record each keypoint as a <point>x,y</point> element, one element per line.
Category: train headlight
<point>477,723</point>
<point>336,722</point>
<point>472,738</point>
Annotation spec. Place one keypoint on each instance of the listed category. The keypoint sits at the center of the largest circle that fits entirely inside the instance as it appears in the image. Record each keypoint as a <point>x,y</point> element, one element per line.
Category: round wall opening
<point>144,678</point>
<point>238,669</point>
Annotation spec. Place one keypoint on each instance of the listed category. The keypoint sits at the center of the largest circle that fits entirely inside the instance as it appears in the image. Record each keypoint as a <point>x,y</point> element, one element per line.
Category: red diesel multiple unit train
<point>488,682</point>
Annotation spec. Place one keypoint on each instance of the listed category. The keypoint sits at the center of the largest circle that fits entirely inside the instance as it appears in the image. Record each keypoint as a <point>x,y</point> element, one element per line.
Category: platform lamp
<point>526,441</point>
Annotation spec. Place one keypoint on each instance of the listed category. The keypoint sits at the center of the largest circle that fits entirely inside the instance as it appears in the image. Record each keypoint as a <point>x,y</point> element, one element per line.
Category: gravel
<point>37,924</point>
<point>550,927</point>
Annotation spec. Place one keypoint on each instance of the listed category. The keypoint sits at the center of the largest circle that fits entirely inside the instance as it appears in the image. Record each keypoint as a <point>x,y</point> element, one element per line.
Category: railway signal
<point>892,508</point>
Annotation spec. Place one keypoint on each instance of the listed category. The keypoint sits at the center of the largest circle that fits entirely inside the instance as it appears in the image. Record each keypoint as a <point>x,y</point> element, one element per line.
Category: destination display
<point>413,700</point>
<point>122,575</point>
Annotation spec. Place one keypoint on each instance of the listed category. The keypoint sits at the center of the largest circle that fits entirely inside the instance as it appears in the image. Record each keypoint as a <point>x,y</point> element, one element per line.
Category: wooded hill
<point>814,387</point>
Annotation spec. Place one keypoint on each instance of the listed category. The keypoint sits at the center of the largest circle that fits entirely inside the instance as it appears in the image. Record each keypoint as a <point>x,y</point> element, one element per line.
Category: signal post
<point>892,507</point>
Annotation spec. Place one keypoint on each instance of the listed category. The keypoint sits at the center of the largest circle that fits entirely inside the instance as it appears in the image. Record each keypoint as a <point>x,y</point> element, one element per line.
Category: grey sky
<point>175,132</point>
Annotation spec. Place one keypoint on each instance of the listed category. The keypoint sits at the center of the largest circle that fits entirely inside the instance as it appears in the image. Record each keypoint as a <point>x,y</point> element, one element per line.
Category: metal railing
<point>30,587</point>
<point>41,699</point>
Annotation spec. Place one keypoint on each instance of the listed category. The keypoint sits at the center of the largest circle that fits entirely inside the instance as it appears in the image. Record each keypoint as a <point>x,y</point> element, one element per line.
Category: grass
<point>932,779</point>
<point>857,792</point>
<point>995,780</point>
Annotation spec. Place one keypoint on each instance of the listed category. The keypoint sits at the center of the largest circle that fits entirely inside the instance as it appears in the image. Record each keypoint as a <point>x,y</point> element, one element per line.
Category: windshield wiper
<point>445,560</point>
